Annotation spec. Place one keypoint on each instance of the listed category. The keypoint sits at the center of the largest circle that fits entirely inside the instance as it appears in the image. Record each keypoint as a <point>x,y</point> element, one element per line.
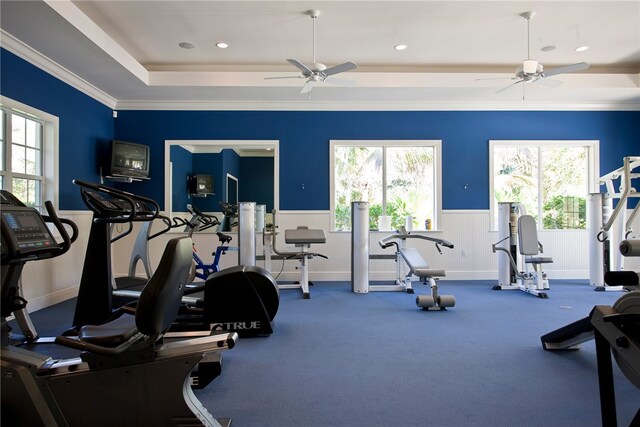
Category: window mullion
<point>8,143</point>
<point>384,179</point>
<point>540,188</point>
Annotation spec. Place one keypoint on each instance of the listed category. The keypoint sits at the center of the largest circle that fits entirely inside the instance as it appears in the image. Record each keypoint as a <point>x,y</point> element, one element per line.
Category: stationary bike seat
<point>224,238</point>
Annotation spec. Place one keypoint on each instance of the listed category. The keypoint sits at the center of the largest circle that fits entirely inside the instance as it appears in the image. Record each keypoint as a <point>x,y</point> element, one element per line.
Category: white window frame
<point>49,149</point>
<point>593,164</point>
<point>436,144</point>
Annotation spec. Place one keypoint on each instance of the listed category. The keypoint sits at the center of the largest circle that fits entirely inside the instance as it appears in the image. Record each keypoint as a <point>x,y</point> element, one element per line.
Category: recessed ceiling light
<point>400,47</point>
<point>186,45</point>
<point>222,45</point>
<point>548,48</point>
<point>582,48</point>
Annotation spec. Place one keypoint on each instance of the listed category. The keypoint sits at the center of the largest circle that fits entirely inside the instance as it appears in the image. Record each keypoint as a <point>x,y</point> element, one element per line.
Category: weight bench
<point>417,268</point>
<point>302,237</point>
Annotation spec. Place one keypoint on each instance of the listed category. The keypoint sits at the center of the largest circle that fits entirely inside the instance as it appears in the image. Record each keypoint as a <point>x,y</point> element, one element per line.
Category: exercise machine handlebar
<point>205,220</point>
<point>626,176</point>
<point>168,225</point>
<point>13,253</point>
<point>119,207</point>
<point>387,241</point>
<point>59,224</point>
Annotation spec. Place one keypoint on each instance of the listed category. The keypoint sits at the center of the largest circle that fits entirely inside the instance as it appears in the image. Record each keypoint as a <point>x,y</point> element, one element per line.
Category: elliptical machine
<point>242,299</point>
<point>125,373</point>
<point>110,206</point>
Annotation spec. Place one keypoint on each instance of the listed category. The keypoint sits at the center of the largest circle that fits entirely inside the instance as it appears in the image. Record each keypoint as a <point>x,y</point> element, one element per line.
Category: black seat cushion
<point>110,334</point>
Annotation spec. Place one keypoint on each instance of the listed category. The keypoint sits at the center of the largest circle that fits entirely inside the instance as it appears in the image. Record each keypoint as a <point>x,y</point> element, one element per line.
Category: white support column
<point>504,228</point>
<point>247,233</point>
<point>360,247</point>
<point>597,235</point>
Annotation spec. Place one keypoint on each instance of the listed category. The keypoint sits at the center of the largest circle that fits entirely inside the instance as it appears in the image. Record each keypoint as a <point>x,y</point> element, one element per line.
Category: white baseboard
<point>51,299</point>
<point>451,275</point>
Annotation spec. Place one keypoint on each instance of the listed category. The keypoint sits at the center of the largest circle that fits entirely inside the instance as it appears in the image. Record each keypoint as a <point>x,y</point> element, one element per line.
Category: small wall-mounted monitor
<point>129,160</point>
<point>200,185</point>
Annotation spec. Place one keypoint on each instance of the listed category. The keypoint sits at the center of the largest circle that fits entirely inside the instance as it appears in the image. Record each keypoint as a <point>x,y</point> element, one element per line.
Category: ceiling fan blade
<point>497,78</point>
<point>552,83</point>
<point>347,66</point>
<point>300,66</point>
<point>566,69</point>
<point>507,87</point>
<point>284,77</point>
<point>307,87</point>
<point>341,82</point>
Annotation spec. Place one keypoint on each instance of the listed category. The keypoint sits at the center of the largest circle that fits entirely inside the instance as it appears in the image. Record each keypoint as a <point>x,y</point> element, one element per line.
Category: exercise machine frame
<point>410,266</point>
<point>39,390</point>
<point>301,237</point>
<point>199,222</point>
<point>203,303</point>
<point>512,262</point>
<point>609,225</point>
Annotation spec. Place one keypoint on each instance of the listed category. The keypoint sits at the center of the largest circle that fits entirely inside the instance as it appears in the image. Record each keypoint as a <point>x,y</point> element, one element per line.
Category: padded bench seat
<point>304,236</point>
<point>418,265</point>
<point>538,260</point>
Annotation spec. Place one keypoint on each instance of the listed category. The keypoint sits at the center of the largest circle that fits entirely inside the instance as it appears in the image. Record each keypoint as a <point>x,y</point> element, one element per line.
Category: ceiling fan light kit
<point>531,70</point>
<point>530,66</point>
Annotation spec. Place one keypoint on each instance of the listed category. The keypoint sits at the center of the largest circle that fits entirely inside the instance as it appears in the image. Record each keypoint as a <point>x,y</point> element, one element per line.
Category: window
<point>28,153</point>
<point>397,178</point>
<point>551,179</point>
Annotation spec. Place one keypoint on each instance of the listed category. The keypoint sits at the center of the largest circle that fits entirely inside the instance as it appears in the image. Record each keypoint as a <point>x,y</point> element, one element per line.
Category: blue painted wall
<point>255,175</point>
<point>182,164</point>
<point>256,180</point>
<point>86,126</point>
<point>304,141</point>
<point>230,165</point>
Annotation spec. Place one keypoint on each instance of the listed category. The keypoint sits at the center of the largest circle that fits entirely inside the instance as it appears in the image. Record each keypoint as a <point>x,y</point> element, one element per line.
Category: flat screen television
<point>200,184</point>
<point>129,160</point>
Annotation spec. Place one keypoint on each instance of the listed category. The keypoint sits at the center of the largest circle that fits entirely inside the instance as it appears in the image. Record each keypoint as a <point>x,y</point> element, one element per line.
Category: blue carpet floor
<point>345,359</point>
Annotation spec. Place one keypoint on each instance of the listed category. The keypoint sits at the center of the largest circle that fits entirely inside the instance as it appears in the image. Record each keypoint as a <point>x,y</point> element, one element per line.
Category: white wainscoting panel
<point>49,282</point>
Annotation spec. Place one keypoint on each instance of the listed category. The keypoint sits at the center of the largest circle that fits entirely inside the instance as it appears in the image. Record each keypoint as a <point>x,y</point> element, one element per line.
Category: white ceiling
<point>126,53</point>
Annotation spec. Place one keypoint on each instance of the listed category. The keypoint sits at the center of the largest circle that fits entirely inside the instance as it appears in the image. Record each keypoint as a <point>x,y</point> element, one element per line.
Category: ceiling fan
<point>316,72</point>
<point>531,70</point>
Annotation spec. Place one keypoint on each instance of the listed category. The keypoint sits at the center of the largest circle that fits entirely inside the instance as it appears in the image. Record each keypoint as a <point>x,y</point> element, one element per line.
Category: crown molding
<point>311,105</point>
<point>20,49</point>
